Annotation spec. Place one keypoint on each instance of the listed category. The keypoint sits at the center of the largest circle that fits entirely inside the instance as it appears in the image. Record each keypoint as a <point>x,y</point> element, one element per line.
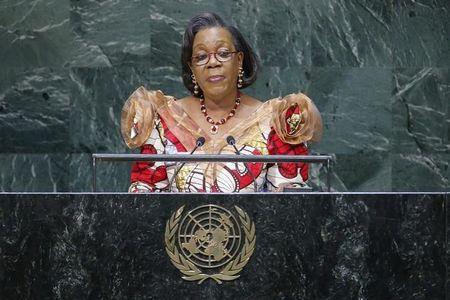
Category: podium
<point>306,246</point>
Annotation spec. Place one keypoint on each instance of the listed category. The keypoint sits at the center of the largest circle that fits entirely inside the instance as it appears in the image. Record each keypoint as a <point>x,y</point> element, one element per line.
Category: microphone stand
<point>200,142</point>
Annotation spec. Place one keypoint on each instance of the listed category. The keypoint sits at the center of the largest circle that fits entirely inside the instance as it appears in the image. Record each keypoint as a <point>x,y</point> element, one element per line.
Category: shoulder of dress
<point>296,119</point>
<point>155,97</point>
<point>138,114</point>
<point>290,99</point>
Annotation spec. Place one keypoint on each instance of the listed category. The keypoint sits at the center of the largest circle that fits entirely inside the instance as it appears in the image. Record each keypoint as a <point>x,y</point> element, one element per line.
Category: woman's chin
<point>216,91</point>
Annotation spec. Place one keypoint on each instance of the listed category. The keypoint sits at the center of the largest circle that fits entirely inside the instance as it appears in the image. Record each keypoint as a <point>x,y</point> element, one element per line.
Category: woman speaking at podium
<point>218,118</point>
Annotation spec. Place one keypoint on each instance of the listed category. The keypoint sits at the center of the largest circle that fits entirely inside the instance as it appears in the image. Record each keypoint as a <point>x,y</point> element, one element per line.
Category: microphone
<point>232,142</point>
<point>198,143</point>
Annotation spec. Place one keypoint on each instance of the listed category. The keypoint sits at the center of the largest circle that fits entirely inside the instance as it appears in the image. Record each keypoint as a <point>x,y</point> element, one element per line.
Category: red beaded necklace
<point>214,124</point>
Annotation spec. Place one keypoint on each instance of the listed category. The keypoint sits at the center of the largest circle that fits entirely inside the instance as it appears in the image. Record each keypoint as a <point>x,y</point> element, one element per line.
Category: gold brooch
<point>294,122</point>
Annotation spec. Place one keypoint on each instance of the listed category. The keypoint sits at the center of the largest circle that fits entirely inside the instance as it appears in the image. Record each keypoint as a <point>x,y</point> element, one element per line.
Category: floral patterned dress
<point>157,124</point>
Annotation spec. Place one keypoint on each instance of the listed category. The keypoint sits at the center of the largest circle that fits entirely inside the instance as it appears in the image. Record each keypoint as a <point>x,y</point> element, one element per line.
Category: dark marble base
<point>314,246</point>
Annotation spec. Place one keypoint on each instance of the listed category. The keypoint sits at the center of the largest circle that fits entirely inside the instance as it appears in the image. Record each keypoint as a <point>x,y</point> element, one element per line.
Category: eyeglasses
<point>203,59</point>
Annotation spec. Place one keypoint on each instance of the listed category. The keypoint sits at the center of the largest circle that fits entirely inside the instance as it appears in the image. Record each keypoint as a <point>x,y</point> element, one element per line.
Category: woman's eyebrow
<point>198,46</point>
<point>219,42</point>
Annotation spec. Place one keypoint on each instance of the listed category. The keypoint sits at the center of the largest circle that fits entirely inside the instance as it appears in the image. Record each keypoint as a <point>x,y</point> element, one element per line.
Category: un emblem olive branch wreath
<point>190,270</point>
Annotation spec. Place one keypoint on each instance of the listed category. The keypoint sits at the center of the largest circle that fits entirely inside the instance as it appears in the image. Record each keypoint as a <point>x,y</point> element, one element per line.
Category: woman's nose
<point>213,60</point>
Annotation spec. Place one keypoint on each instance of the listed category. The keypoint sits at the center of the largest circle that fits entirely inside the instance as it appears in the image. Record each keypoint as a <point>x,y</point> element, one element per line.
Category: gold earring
<point>240,76</point>
<point>195,85</point>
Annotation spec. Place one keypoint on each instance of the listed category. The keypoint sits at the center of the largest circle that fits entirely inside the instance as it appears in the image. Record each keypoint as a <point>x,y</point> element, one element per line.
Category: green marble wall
<point>379,71</point>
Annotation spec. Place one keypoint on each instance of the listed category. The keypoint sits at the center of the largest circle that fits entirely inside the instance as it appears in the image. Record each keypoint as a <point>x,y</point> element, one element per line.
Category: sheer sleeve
<point>141,128</point>
<point>295,121</point>
<point>138,116</point>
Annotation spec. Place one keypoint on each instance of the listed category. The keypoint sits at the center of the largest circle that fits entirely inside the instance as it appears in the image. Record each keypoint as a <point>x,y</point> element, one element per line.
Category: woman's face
<point>216,78</point>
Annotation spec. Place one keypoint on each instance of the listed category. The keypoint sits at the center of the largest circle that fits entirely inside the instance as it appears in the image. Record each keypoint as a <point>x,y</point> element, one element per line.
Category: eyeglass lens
<point>203,59</point>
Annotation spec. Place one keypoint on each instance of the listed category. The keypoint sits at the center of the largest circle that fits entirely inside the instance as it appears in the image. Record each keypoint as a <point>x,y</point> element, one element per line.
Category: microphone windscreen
<point>230,140</point>
<point>200,141</point>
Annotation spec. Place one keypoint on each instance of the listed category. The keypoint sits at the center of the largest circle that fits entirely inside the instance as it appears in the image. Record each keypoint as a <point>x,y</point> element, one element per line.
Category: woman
<point>217,63</point>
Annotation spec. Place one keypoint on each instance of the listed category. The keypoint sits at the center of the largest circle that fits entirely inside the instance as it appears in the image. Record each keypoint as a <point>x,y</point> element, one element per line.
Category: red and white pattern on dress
<point>285,173</point>
<point>218,177</point>
<point>149,176</point>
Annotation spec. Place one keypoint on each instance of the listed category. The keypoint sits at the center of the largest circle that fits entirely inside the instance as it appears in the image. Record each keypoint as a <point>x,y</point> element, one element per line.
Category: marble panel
<point>33,172</point>
<point>34,107</point>
<point>110,176</point>
<point>350,33</point>
<point>275,82</point>
<point>415,172</point>
<point>359,172</point>
<point>356,108</point>
<point>377,70</point>
<point>363,172</point>
<point>34,34</point>
<point>279,32</point>
<point>97,98</point>
<point>110,33</point>
<point>420,111</point>
<point>421,33</point>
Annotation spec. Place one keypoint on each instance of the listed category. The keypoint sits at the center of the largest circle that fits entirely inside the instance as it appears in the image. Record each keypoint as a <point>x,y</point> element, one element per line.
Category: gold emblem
<point>210,242</point>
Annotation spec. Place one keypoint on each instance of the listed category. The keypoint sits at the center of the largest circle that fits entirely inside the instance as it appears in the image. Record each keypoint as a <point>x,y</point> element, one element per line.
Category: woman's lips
<point>215,78</point>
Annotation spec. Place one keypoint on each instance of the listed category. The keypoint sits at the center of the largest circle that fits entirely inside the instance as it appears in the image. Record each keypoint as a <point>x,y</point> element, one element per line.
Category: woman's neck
<point>220,103</point>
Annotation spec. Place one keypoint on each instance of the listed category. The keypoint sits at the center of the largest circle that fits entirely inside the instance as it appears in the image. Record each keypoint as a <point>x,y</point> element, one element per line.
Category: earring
<point>195,85</point>
<point>240,76</point>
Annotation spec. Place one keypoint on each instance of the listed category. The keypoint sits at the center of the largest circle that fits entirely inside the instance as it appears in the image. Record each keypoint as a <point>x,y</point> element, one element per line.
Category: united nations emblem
<point>210,242</point>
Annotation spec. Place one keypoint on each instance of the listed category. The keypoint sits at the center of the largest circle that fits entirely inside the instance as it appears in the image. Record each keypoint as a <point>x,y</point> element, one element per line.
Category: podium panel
<point>240,246</point>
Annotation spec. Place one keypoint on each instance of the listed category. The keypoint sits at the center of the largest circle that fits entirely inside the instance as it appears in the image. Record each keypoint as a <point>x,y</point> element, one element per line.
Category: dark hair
<point>208,20</point>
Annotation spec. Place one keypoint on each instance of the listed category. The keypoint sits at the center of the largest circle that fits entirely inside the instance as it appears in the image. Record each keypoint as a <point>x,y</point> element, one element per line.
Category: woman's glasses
<point>203,59</point>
